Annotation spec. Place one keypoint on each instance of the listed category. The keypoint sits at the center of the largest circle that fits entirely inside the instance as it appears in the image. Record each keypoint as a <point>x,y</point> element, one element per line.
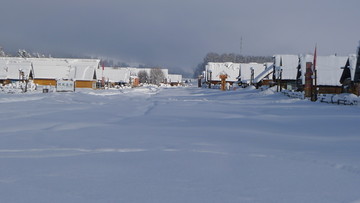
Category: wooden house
<point>249,72</point>
<point>266,76</point>
<point>285,71</point>
<point>114,76</point>
<point>214,70</point>
<point>46,71</point>
<point>350,78</point>
<point>329,71</point>
<point>14,69</point>
<point>83,72</point>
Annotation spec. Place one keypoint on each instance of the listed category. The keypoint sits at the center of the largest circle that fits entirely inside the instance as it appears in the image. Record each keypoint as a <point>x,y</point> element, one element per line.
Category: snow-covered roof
<point>174,78</point>
<point>10,68</point>
<point>123,74</point>
<point>268,70</point>
<point>214,70</point>
<point>84,69</point>
<point>328,68</point>
<point>352,62</point>
<point>61,68</point>
<point>245,73</point>
<point>289,64</point>
<point>114,74</point>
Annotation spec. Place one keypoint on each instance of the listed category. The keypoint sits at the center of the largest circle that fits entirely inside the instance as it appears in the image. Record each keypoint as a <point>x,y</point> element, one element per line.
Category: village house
<point>46,71</point>
<point>350,78</point>
<point>113,76</point>
<point>243,74</point>
<point>328,70</point>
<point>85,72</point>
<point>249,71</point>
<point>14,69</point>
<point>265,77</point>
<point>285,71</point>
<point>213,71</point>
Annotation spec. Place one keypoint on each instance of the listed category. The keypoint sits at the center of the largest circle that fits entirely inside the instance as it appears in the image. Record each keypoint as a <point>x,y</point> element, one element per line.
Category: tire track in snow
<point>61,152</point>
<point>344,167</point>
<point>69,152</point>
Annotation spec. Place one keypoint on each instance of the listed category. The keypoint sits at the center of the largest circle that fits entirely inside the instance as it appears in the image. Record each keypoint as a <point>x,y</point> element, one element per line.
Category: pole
<point>314,98</point>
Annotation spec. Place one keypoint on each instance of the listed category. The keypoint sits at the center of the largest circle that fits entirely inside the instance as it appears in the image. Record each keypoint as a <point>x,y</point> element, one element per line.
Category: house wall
<point>45,82</point>
<point>175,83</point>
<point>266,82</point>
<point>329,90</point>
<point>5,82</point>
<point>85,84</point>
<point>285,84</point>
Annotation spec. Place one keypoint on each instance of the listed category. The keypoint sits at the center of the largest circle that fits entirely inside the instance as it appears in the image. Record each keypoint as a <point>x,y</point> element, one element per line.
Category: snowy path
<point>177,145</point>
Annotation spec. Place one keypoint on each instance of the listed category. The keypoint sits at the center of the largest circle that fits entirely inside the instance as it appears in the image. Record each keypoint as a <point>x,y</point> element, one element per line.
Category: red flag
<point>314,63</point>
<point>103,66</point>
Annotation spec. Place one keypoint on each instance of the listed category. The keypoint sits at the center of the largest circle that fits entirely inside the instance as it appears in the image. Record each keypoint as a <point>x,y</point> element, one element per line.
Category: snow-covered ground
<point>177,145</point>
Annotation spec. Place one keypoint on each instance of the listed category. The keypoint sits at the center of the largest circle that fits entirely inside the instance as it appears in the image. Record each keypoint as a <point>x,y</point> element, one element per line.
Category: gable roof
<point>10,68</point>
<point>114,74</point>
<point>216,69</point>
<point>328,68</point>
<point>61,68</point>
<point>288,64</point>
<point>245,73</point>
<point>84,69</point>
<point>268,70</point>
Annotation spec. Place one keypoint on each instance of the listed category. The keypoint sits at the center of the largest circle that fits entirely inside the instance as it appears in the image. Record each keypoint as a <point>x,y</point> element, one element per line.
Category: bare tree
<point>156,76</point>
<point>143,76</point>
<point>2,52</point>
<point>23,53</point>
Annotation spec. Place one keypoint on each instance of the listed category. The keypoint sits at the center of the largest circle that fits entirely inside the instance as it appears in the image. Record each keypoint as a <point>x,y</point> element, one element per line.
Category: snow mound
<point>269,91</point>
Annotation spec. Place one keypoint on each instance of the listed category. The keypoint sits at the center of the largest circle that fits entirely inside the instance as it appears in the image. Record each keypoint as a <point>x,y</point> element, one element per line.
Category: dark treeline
<point>235,58</point>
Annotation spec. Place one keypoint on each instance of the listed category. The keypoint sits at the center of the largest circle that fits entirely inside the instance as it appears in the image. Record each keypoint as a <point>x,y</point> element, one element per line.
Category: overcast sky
<point>179,33</point>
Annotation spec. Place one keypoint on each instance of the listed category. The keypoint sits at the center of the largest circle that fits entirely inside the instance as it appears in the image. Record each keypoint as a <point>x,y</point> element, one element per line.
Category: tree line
<point>234,58</point>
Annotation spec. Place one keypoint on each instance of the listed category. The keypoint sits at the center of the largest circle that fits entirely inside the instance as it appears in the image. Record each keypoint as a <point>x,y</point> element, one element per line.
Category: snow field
<point>177,145</point>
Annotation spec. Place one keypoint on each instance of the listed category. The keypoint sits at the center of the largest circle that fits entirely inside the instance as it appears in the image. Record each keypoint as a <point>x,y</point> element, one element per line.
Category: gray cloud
<point>179,33</point>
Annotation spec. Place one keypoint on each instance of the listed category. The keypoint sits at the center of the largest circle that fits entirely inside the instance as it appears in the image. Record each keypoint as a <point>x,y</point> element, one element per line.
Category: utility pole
<point>241,45</point>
